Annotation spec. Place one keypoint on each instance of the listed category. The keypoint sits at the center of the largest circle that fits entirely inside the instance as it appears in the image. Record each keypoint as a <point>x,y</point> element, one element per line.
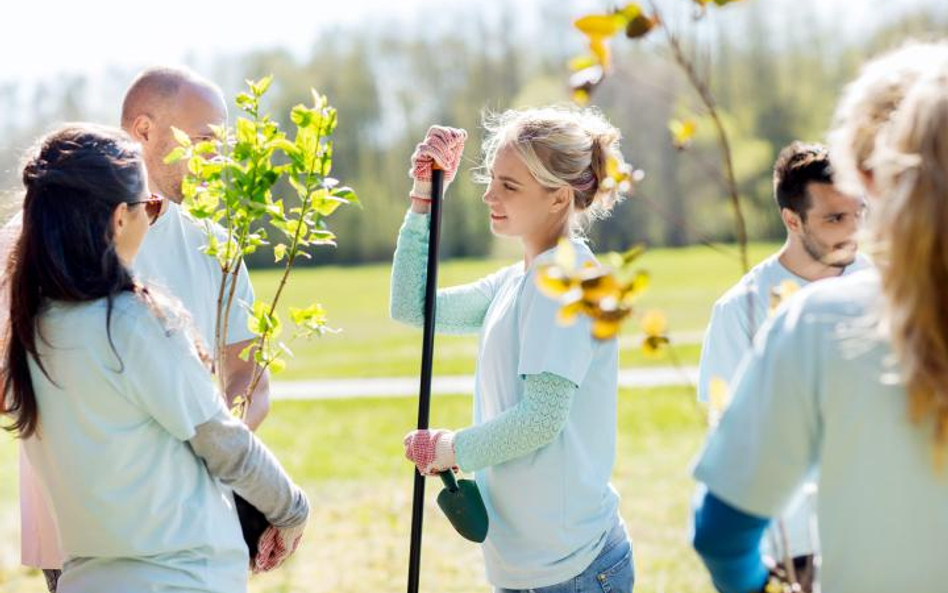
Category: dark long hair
<point>74,181</point>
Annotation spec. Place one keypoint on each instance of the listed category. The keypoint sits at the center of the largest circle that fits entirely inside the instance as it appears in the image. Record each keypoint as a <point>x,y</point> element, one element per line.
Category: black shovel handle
<point>427,360</point>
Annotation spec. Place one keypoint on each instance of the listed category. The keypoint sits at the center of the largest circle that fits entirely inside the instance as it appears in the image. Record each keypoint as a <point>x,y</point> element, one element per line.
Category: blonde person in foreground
<point>544,437</point>
<point>851,375</point>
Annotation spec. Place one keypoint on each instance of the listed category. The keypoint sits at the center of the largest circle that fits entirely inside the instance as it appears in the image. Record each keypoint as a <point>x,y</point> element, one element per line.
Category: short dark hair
<point>797,165</point>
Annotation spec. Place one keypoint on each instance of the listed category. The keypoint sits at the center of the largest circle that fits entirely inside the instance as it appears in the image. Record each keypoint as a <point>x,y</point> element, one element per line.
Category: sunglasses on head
<point>152,207</point>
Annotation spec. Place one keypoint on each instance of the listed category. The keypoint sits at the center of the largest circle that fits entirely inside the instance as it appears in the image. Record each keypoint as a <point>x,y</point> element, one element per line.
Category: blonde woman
<point>852,375</point>
<point>543,442</point>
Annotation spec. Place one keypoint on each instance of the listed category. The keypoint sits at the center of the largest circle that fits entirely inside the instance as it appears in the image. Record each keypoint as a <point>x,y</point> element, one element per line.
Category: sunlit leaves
<point>238,179</point>
<point>621,176</point>
<point>589,70</point>
<point>682,132</point>
<point>780,293</point>
<point>719,397</point>
<point>604,293</point>
<point>655,328</point>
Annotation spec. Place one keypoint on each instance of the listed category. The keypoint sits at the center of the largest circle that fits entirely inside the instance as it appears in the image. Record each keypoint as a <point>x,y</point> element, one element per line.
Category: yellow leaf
<point>654,346</point>
<point>636,287</point>
<point>597,284</point>
<point>553,282</point>
<point>654,324</point>
<point>568,312</point>
<point>580,97</point>
<point>782,292</point>
<point>682,132</point>
<point>630,11</point>
<point>582,62</point>
<point>600,25</point>
<point>605,327</point>
<point>718,394</point>
<point>599,48</point>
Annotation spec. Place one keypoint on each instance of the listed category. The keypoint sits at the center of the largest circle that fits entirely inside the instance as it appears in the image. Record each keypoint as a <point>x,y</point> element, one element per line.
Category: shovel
<point>460,501</point>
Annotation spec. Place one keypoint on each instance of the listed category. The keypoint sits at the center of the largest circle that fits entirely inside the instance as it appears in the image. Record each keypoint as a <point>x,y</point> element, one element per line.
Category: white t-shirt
<point>739,314</point>
<point>171,258</point>
<point>552,509</point>
<point>820,390</point>
<point>136,508</point>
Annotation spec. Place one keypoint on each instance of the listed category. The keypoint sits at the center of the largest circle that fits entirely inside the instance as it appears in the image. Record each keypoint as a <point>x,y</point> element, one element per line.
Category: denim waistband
<point>615,536</point>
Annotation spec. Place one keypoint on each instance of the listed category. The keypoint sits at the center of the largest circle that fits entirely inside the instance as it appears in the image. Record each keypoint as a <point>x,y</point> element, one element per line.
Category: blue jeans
<point>611,572</point>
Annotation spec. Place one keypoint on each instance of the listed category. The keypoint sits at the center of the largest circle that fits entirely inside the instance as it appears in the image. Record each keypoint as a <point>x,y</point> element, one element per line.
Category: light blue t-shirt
<point>552,509</point>
<point>172,259</point>
<point>739,314</point>
<point>137,510</point>
<point>821,390</point>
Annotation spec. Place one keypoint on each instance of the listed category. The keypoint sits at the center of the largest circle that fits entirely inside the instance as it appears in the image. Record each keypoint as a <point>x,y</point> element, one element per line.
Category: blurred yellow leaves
<point>682,132</point>
<point>655,327</point>
<point>604,293</point>
<point>782,292</point>
<point>589,70</point>
<point>719,397</point>
<point>621,176</point>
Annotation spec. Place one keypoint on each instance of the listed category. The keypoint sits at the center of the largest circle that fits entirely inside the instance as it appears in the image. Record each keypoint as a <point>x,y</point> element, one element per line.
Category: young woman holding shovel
<point>543,443</point>
<point>111,394</point>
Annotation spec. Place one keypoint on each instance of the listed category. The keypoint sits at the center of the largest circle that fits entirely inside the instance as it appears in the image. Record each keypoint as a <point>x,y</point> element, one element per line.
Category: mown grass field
<point>348,456</point>
<point>684,284</point>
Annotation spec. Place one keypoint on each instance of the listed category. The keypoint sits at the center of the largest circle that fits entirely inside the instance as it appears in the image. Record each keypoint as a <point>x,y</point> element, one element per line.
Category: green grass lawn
<point>348,456</point>
<point>685,283</point>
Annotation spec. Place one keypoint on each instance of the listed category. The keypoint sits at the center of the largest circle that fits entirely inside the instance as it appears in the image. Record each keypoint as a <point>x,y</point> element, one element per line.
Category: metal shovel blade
<point>462,504</point>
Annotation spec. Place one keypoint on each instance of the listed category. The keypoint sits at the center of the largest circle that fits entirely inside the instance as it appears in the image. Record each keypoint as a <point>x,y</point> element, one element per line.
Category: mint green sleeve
<point>534,422</point>
<point>460,309</point>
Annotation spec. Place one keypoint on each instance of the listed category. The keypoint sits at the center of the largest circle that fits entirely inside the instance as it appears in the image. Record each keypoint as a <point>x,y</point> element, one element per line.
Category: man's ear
<point>142,128</point>
<point>791,220</point>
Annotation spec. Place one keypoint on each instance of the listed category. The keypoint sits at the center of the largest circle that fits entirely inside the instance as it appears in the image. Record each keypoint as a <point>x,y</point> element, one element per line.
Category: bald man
<point>170,258</point>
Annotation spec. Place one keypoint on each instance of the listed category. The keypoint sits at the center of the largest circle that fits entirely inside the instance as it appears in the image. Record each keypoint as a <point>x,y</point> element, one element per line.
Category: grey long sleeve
<point>235,456</point>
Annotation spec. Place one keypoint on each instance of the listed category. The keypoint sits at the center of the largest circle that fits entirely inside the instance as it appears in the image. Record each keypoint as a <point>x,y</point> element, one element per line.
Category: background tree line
<point>777,78</point>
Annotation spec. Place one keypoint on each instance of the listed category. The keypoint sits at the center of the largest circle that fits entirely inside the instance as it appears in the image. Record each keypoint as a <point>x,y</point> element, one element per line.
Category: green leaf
<point>279,252</point>
<point>261,86</point>
<point>176,155</point>
<point>246,131</point>
<point>245,353</point>
<point>302,116</point>
<point>181,137</point>
<point>277,365</point>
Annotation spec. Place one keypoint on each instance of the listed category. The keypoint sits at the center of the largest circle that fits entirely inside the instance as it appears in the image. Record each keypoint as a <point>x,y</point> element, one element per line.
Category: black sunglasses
<point>152,207</point>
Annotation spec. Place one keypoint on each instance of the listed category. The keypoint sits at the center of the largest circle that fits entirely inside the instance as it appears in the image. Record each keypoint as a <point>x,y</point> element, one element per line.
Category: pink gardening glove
<point>275,546</point>
<point>432,451</point>
<point>442,147</point>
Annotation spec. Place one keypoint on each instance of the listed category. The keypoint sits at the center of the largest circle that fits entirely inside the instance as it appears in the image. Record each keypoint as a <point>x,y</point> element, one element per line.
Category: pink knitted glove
<point>432,451</point>
<point>275,546</point>
<point>442,147</point>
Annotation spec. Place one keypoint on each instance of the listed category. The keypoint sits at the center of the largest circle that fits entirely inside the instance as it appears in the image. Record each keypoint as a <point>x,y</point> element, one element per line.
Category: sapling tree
<point>234,186</point>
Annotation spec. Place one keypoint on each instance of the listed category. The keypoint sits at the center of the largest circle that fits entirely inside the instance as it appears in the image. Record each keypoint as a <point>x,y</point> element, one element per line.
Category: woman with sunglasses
<point>111,393</point>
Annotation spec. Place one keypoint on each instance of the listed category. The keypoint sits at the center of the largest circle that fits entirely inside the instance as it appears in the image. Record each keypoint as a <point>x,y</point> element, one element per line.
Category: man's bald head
<point>154,91</point>
<point>162,98</point>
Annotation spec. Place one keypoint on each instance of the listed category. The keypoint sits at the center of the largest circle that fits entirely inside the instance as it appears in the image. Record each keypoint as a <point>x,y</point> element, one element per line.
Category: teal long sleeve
<point>460,309</point>
<point>533,423</point>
